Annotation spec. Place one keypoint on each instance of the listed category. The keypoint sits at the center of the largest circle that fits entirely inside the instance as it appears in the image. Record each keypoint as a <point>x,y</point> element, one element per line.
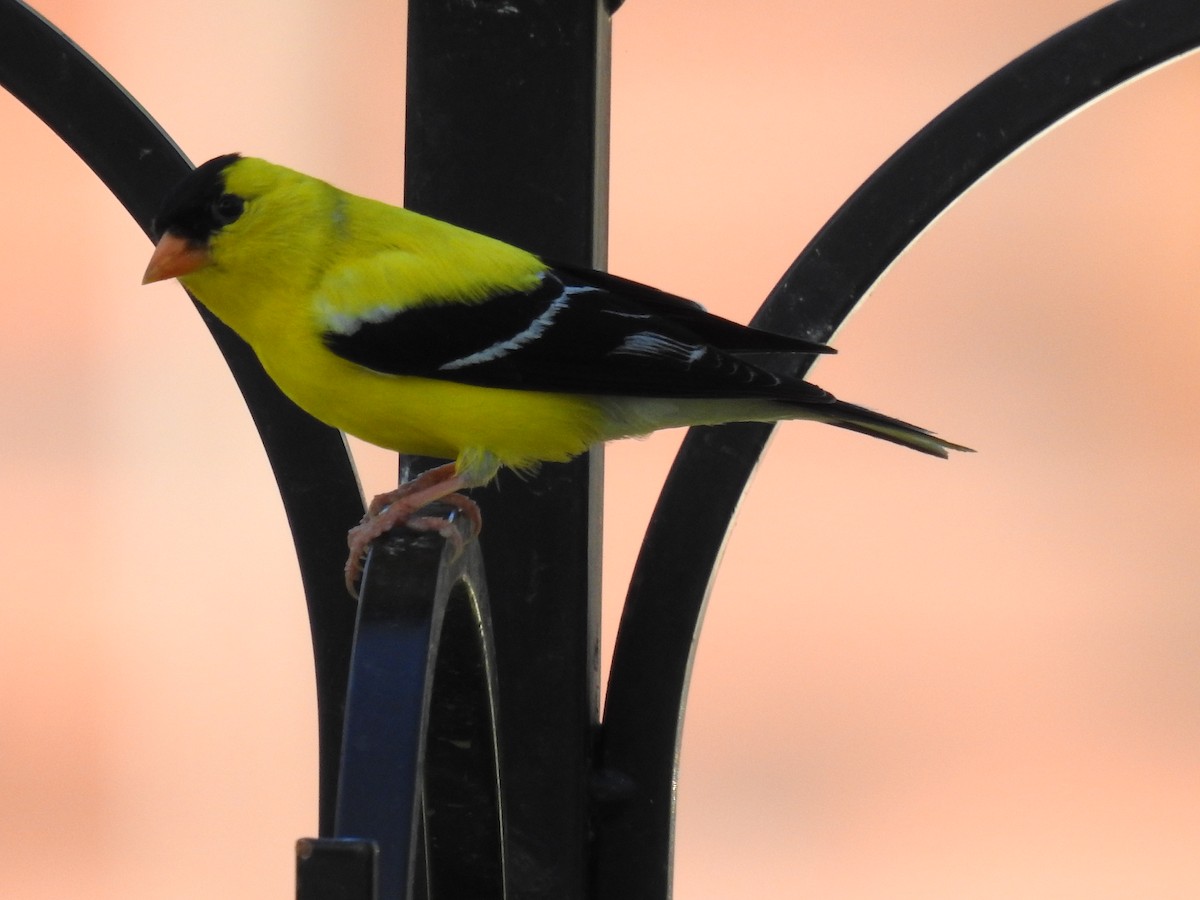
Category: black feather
<point>578,332</point>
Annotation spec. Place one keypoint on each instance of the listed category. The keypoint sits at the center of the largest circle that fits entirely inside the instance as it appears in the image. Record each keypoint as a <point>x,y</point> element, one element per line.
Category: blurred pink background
<point>978,678</point>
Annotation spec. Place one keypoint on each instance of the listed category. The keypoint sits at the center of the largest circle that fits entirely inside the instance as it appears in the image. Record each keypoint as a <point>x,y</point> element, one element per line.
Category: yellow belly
<point>437,418</point>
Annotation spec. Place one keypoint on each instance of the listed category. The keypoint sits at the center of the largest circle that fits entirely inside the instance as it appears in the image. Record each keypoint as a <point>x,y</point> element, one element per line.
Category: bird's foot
<point>396,507</point>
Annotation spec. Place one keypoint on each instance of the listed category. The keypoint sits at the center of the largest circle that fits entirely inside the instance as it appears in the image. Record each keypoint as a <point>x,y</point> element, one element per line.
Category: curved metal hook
<point>651,663</point>
<point>125,147</point>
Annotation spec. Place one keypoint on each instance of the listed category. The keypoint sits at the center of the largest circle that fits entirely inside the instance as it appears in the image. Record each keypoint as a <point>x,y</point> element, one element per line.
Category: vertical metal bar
<point>507,134</point>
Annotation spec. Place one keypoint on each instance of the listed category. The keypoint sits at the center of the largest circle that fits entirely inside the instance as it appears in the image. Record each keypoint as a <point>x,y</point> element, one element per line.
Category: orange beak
<point>174,256</point>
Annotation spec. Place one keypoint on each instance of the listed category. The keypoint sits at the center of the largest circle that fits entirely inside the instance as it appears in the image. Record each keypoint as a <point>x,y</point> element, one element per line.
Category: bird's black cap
<point>188,209</point>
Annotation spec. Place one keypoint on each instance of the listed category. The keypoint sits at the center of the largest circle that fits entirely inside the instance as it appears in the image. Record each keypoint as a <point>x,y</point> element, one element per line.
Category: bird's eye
<point>227,208</point>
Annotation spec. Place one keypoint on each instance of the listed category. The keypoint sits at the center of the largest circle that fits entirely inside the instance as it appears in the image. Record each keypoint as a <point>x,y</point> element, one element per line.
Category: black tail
<point>866,421</point>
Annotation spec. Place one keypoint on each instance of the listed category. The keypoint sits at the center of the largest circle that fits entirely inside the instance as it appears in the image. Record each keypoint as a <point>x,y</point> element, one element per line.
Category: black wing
<point>579,332</point>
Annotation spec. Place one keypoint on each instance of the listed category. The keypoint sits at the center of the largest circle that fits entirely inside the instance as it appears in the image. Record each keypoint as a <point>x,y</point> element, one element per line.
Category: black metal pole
<point>507,134</point>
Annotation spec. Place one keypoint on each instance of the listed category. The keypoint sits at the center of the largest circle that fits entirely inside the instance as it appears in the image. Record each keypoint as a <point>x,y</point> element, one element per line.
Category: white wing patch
<point>349,323</point>
<point>651,343</point>
<point>510,345</point>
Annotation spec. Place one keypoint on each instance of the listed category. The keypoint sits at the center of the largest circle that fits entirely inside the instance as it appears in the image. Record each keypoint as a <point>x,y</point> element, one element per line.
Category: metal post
<point>508,135</point>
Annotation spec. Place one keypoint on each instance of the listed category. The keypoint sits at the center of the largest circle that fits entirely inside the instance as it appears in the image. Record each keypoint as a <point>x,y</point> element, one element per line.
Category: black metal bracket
<point>660,623</point>
<point>337,869</point>
<point>420,775</point>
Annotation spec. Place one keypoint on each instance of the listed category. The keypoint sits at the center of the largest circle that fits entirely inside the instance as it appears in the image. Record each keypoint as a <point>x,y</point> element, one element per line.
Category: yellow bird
<point>423,337</point>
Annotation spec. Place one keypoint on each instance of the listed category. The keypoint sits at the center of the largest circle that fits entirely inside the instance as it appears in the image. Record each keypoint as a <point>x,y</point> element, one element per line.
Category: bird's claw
<point>389,510</point>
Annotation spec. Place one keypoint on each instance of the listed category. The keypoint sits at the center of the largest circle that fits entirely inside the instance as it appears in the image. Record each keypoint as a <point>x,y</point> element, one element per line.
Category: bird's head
<point>235,219</point>
<point>192,216</point>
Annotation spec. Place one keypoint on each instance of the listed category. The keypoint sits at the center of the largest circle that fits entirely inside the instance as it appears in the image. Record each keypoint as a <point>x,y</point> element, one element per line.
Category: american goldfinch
<point>425,338</point>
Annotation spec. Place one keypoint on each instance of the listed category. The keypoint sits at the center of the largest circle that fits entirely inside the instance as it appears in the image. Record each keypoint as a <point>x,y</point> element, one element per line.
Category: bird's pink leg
<point>396,507</point>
